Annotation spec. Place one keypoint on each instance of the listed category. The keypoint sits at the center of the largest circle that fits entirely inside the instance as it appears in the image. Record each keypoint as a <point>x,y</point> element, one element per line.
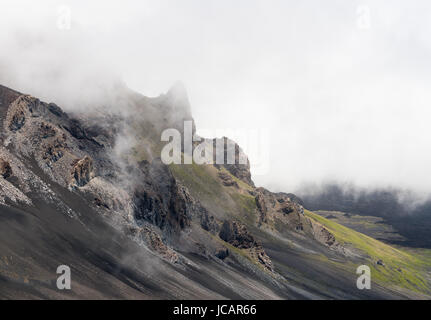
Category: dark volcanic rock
<point>159,199</point>
<point>149,207</point>
<point>222,253</point>
<point>5,169</point>
<point>180,201</point>
<point>331,217</point>
<point>75,129</point>
<point>236,234</point>
<point>208,222</point>
<point>287,209</point>
<point>56,110</point>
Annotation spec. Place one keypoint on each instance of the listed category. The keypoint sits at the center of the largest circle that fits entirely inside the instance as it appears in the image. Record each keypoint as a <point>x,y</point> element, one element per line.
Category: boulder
<point>380,263</point>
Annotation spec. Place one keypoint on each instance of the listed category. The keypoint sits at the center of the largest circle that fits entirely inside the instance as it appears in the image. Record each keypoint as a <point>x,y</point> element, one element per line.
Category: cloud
<point>342,102</point>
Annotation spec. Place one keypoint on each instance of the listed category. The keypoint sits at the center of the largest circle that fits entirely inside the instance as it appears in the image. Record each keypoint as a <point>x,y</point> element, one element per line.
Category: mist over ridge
<point>353,108</point>
<point>215,150</point>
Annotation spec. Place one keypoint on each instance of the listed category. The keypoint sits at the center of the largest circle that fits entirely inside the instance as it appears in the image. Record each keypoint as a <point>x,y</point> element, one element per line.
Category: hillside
<point>400,209</point>
<point>375,227</point>
<point>89,190</point>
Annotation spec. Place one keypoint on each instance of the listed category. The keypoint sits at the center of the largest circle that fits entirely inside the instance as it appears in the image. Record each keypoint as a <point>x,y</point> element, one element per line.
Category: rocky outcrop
<point>54,150</point>
<point>160,200</point>
<point>21,109</point>
<point>237,235</point>
<point>239,165</point>
<point>75,129</point>
<point>380,263</point>
<point>222,253</point>
<point>5,169</point>
<point>47,130</point>
<point>207,221</point>
<point>227,180</point>
<point>7,96</point>
<point>325,237</point>
<point>18,113</point>
<point>258,254</point>
<point>261,207</point>
<point>156,244</point>
<point>37,130</point>
<point>179,205</point>
<point>149,206</point>
<point>56,110</point>
<point>82,172</point>
<point>278,206</point>
<point>285,213</point>
<point>17,121</point>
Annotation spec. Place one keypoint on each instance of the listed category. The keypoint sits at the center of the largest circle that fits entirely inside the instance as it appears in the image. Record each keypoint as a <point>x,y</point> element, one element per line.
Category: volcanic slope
<point>88,190</point>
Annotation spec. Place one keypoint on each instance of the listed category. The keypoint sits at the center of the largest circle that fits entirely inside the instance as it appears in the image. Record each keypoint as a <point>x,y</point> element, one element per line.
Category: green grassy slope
<point>402,268</point>
<point>203,183</point>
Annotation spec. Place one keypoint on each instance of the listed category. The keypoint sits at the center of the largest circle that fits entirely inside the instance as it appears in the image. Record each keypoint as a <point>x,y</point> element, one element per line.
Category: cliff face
<point>204,228</point>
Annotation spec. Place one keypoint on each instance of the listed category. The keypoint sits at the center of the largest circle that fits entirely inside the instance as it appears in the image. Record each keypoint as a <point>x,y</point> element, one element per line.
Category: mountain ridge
<point>208,225</point>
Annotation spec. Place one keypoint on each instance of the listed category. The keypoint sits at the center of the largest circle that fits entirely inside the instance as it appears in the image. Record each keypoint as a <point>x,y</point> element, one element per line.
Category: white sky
<point>342,86</point>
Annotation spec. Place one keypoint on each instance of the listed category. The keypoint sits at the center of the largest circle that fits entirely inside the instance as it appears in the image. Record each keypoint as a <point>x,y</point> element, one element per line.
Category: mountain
<point>410,219</point>
<point>89,190</point>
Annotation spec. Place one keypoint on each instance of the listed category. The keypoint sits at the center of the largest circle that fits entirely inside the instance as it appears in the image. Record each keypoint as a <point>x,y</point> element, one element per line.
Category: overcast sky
<point>341,87</point>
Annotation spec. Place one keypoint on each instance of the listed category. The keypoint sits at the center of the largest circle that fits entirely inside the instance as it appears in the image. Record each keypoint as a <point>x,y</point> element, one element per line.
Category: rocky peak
<point>176,107</point>
<point>179,99</point>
